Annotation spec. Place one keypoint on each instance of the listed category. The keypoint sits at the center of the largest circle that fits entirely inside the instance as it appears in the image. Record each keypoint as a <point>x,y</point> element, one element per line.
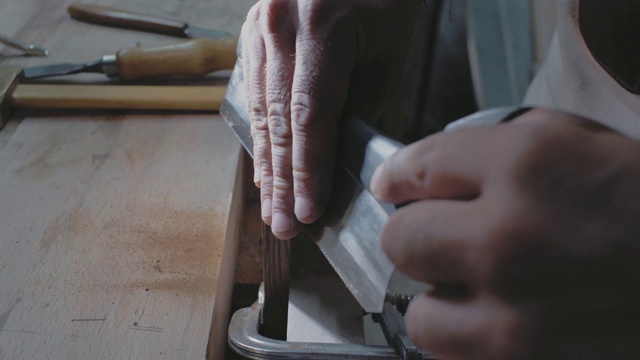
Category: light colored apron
<point>571,80</point>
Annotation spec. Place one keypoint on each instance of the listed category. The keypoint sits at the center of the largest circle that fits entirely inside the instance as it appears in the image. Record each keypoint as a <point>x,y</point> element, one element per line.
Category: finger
<point>320,87</point>
<point>280,46</point>
<point>477,329</point>
<point>256,60</point>
<point>435,242</point>
<point>442,166</point>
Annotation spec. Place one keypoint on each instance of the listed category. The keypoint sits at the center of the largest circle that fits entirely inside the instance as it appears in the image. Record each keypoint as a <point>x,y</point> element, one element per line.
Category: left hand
<point>306,62</point>
<point>528,231</point>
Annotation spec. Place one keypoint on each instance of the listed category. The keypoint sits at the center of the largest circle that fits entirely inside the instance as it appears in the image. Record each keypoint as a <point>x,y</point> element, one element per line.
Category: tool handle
<point>189,58</point>
<point>108,16</point>
<point>123,97</point>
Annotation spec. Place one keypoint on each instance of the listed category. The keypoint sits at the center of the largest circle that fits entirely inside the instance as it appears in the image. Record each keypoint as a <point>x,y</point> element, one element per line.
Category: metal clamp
<point>395,332</point>
<point>245,339</point>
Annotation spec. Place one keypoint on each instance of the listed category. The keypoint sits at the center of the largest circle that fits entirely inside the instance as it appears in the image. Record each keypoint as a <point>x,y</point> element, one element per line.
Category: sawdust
<point>162,249</point>
<point>174,250</point>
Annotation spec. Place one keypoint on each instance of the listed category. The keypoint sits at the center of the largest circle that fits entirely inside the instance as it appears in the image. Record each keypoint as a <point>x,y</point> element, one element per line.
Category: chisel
<point>189,58</point>
<point>109,16</point>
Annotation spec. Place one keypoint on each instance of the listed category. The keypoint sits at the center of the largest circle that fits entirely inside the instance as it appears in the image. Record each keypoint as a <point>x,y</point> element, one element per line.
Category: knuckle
<point>256,111</point>
<point>280,130</point>
<point>258,118</point>
<point>539,131</point>
<point>265,168</point>
<point>301,105</point>
<point>282,184</point>
<point>303,174</point>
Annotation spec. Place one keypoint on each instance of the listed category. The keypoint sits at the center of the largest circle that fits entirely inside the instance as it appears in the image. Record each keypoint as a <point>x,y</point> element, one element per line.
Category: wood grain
<point>113,234</point>
<point>117,236</point>
<point>128,97</point>
<point>186,58</point>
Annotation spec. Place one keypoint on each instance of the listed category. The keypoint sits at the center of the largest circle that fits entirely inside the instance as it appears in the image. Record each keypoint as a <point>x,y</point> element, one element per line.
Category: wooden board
<point>116,229</point>
<point>112,235</point>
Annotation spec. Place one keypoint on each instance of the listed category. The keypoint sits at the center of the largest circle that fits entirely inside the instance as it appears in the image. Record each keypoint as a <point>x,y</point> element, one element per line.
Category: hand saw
<point>348,234</point>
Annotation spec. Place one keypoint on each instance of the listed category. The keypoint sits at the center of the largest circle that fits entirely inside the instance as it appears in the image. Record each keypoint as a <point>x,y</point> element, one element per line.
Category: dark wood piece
<point>277,267</point>
<point>249,264</point>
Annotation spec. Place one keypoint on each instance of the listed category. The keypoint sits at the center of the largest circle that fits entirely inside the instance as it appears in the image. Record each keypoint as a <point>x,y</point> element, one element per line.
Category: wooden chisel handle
<point>188,58</point>
<point>124,97</point>
<point>103,15</point>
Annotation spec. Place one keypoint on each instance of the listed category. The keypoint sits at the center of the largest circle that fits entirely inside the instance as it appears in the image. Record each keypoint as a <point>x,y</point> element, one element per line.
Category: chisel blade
<point>36,72</point>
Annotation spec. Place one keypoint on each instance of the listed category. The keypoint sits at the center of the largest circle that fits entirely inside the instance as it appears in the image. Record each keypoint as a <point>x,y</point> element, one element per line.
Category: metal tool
<point>395,332</point>
<point>246,340</point>
<point>188,58</point>
<point>114,17</point>
<point>348,234</point>
<point>192,98</point>
<point>244,329</point>
<point>28,49</point>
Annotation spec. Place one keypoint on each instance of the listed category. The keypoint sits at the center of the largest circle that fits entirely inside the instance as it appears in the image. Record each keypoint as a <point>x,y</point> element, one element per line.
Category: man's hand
<point>303,62</point>
<point>529,233</point>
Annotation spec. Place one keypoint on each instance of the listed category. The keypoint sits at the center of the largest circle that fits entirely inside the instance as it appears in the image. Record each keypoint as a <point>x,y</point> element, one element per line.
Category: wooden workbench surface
<point>116,229</point>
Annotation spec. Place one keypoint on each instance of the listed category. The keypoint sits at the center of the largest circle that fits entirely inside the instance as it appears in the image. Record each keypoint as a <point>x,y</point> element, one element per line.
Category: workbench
<point>117,228</point>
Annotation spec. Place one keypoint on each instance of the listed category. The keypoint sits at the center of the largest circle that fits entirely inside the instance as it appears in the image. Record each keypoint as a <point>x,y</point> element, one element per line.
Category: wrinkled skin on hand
<point>529,233</point>
<point>303,62</point>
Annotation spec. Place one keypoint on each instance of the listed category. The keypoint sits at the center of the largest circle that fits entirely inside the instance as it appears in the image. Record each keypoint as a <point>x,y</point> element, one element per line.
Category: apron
<point>572,80</point>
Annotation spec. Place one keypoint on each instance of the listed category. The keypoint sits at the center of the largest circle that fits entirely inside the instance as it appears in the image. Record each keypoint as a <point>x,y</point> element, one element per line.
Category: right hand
<point>305,63</point>
<point>528,233</point>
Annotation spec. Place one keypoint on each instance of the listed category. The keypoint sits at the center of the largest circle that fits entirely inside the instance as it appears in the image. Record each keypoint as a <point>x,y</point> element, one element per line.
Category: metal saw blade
<point>349,232</point>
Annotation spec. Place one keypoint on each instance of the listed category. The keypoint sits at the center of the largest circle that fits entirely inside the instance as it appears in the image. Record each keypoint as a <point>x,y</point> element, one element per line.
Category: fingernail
<point>302,208</point>
<point>266,209</point>
<point>280,223</point>
<point>374,180</point>
<point>256,175</point>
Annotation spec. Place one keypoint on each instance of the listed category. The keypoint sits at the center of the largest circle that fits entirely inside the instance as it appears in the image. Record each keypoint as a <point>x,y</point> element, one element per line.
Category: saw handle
<point>108,16</point>
<point>189,58</point>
